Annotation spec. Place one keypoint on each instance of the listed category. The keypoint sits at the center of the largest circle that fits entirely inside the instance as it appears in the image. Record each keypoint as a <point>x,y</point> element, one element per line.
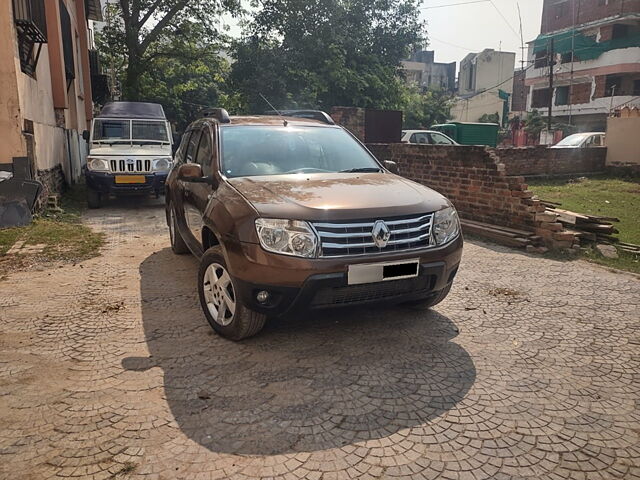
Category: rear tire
<point>178,245</point>
<point>224,311</point>
<point>431,301</point>
<point>94,199</point>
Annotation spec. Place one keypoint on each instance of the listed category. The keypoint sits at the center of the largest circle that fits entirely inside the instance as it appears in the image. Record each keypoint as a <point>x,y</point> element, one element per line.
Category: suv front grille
<point>355,237</point>
<point>354,294</point>
<point>130,166</point>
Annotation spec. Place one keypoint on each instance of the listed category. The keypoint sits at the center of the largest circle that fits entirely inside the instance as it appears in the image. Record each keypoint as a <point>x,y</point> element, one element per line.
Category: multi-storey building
<point>589,50</point>
<point>46,95</point>
<point>422,70</point>
<point>485,85</point>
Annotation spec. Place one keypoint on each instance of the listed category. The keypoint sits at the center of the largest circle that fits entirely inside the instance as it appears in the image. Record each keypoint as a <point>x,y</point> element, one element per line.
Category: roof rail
<point>219,114</point>
<point>311,114</point>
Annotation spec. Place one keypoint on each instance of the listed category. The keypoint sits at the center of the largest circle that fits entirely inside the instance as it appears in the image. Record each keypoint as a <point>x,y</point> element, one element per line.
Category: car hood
<point>130,151</point>
<point>337,196</point>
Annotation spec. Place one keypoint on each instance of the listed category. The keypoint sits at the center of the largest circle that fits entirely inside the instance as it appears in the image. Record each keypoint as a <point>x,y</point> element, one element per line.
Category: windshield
<point>572,140</point>
<point>276,150</point>
<point>129,131</point>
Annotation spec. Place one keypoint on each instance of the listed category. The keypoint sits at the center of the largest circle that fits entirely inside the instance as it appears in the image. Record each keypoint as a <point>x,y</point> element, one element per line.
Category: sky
<point>456,30</point>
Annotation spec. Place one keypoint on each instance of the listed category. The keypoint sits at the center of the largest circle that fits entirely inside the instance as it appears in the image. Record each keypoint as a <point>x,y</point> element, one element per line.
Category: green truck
<point>468,133</point>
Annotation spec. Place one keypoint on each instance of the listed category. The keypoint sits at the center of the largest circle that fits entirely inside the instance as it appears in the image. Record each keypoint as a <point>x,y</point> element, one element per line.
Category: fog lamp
<point>262,296</point>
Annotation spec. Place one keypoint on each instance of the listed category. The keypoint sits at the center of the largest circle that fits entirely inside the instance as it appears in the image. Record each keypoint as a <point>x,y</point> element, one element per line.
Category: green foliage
<point>143,26</point>
<point>325,53</point>
<point>183,69</point>
<point>534,123</point>
<point>490,118</point>
<point>424,109</point>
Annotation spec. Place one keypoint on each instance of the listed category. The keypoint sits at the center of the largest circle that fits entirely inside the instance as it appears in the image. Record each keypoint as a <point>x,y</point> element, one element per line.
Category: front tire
<point>178,244</point>
<point>223,309</point>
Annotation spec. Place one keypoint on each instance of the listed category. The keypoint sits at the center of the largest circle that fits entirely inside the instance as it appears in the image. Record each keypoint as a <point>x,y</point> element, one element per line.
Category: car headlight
<point>446,225</point>
<point>162,165</point>
<point>97,164</point>
<point>288,237</point>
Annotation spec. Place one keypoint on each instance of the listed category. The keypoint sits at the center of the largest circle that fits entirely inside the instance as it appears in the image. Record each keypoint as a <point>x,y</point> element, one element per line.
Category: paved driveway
<point>530,369</point>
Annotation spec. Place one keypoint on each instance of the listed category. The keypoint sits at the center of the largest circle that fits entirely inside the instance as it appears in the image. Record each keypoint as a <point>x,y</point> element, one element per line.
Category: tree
<point>424,109</point>
<point>325,53</point>
<point>534,124</point>
<point>184,70</point>
<point>144,22</point>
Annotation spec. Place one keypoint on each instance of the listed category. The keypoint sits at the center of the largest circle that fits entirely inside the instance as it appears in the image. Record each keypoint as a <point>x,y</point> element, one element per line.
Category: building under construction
<point>586,61</point>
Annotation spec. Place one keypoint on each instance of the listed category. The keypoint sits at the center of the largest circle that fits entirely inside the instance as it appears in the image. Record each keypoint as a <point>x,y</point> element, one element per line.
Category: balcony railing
<point>30,19</point>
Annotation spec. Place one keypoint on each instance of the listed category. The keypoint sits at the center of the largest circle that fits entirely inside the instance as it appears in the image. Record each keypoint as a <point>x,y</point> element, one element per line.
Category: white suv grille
<point>355,237</point>
<point>130,166</point>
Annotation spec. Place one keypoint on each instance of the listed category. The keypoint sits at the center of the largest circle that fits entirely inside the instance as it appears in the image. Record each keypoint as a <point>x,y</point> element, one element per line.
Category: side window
<point>204,157</point>
<point>179,156</point>
<point>438,139</point>
<point>420,138</point>
<point>190,154</point>
<point>413,139</point>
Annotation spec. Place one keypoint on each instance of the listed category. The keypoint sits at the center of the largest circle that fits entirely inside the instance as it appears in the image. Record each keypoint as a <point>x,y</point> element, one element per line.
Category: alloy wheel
<point>219,294</point>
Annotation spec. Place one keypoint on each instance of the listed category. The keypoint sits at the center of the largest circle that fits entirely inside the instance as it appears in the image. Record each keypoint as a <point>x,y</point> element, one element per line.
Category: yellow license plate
<point>130,179</point>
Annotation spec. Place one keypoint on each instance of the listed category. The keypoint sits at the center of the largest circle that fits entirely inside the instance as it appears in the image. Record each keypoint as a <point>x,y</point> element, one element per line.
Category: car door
<point>185,151</point>
<point>183,189</point>
<point>198,194</point>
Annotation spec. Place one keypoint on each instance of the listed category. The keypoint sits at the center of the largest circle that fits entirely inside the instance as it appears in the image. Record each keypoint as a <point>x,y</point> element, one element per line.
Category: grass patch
<point>600,195</point>
<point>62,234</point>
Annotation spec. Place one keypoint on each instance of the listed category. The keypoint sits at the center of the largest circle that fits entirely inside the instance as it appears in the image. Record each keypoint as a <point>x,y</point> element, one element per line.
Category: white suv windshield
<point>277,150</point>
<point>107,130</point>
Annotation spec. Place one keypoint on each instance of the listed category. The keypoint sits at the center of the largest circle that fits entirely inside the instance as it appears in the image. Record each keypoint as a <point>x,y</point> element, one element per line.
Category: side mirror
<point>86,135</point>
<point>192,172</point>
<point>391,166</point>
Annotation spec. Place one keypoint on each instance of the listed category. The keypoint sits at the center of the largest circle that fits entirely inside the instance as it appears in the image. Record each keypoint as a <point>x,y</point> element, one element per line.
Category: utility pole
<point>550,59</point>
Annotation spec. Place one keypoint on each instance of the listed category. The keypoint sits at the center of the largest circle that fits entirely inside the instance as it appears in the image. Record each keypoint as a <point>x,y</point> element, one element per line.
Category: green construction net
<point>585,47</point>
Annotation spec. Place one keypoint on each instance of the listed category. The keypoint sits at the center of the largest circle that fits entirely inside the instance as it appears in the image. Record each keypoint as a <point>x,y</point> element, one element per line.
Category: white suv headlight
<point>162,165</point>
<point>446,225</point>
<point>288,237</point>
<point>97,164</point>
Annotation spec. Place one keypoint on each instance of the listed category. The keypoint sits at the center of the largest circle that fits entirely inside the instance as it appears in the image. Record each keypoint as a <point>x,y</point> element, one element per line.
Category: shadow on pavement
<point>327,380</point>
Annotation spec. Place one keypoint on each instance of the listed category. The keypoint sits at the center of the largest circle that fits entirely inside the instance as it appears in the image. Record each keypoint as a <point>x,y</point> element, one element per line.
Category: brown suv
<point>293,212</point>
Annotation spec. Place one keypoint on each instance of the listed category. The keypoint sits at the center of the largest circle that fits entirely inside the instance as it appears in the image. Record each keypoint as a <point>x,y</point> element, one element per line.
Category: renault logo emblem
<point>380,234</point>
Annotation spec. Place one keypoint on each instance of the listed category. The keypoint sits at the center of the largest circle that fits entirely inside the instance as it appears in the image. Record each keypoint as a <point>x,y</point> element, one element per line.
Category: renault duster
<point>287,213</point>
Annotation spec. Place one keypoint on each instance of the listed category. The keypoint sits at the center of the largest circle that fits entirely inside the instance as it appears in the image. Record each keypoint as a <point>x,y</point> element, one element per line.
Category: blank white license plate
<point>380,272</point>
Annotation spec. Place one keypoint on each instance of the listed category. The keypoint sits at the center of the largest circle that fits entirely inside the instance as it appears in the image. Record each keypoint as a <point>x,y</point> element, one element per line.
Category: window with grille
<point>31,27</point>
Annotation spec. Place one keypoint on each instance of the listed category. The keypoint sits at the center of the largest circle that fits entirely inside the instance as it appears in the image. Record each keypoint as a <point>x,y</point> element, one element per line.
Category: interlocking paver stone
<point>529,370</point>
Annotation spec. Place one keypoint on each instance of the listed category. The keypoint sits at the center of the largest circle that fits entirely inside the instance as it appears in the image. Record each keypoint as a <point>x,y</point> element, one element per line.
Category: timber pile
<point>510,237</point>
<point>589,228</point>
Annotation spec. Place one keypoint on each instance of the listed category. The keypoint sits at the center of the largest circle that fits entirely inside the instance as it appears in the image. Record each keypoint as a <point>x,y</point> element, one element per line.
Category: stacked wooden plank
<point>510,237</point>
<point>589,228</point>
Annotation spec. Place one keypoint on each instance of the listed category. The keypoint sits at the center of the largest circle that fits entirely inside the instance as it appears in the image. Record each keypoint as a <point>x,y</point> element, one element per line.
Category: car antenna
<point>284,120</point>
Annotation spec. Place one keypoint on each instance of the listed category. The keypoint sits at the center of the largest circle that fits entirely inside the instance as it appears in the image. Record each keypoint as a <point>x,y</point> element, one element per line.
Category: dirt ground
<point>108,369</point>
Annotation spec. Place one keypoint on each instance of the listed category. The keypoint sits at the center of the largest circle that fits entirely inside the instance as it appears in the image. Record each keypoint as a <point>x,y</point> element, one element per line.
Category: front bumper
<point>322,283</point>
<point>106,183</point>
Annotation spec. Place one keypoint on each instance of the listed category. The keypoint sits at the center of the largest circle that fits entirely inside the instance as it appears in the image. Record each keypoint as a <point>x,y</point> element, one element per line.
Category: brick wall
<point>543,160</point>
<point>475,180</point>
<point>580,93</point>
<point>352,118</point>
<point>557,15</point>
<point>600,86</point>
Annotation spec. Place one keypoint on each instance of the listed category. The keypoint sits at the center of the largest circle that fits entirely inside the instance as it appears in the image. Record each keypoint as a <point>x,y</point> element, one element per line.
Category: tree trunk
<point>131,90</point>
<point>131,87</point>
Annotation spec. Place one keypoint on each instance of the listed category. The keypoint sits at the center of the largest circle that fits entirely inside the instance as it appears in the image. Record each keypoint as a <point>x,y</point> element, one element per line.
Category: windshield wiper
<point>360,170</point>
